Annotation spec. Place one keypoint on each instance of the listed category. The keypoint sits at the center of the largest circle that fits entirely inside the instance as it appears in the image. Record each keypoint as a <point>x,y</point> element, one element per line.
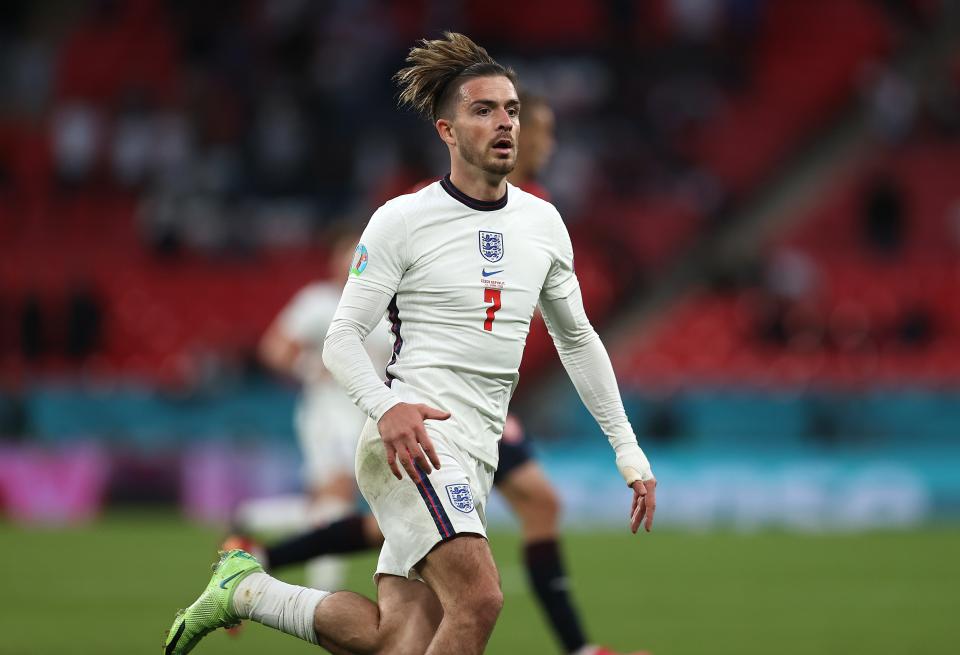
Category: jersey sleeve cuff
<point>384,407</point>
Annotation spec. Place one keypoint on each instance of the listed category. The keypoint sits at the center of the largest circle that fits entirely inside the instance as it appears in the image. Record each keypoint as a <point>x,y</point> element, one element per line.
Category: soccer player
<point>519,478</point>
<point>426,458</point>
<point>327,422</point>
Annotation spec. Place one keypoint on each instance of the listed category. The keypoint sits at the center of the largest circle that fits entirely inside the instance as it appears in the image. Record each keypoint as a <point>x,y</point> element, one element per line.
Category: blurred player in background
<point>327,422</point>
<point>459,337</point>
<point>519,478</point>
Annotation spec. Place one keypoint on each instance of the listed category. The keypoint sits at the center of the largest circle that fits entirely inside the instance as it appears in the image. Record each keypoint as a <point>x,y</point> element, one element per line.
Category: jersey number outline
<point>493,296</point>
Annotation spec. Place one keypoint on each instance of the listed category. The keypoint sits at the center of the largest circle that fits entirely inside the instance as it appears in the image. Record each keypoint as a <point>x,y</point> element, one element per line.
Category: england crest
<point>491,246</point>
<point>461,497</point>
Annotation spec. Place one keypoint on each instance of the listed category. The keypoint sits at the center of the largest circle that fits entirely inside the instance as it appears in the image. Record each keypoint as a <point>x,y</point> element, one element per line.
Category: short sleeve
<point>561,280</point>
<point>381,256</point>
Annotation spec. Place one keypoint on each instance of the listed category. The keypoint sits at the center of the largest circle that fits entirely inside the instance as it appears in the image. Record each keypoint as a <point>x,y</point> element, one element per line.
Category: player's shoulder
<point>535,206</point>
<point>317,293</point>
<point>532,202</point>
<point>412,203</point>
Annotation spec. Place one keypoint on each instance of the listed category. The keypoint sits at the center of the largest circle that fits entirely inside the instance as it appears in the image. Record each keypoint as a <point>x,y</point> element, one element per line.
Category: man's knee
<point>465,579</point>
<point>548,503</point>
<point>536,504</point>
<point>490,604</point>
<point>481,604</point>
<point>409,615</point>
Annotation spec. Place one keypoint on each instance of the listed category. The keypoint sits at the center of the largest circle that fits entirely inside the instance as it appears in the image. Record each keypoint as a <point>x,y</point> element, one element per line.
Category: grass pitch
<point>113,587</point>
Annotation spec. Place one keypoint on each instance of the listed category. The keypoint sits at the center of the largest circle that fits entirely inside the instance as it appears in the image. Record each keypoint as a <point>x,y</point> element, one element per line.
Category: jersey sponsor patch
<point>461,497</point>
<point>360,259</point>
<point>491,246</point>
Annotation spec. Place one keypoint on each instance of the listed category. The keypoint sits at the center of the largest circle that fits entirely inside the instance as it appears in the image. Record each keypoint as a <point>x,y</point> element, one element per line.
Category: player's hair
<point>437,70</point>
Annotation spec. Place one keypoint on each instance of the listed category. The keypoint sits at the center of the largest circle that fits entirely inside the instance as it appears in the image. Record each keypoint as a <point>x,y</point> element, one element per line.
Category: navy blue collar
<point>472,203</point>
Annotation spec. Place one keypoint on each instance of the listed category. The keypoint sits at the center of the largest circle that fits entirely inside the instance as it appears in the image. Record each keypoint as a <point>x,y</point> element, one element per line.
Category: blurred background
<point>764,199</point>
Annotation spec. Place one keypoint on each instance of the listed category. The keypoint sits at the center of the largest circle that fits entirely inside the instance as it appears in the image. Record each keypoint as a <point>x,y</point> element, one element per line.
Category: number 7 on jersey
<point>492,296</point>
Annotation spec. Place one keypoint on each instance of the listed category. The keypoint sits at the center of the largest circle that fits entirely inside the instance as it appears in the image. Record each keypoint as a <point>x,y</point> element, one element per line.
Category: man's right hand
<point>405,437</point>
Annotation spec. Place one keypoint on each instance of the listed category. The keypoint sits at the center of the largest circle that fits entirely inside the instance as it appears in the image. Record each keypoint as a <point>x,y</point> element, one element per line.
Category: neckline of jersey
<point>472,203</point>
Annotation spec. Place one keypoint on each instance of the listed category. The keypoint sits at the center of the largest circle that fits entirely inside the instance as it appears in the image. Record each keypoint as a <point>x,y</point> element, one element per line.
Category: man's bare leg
<point>402,622</point>
<point>464,578</point>
<point>534,501</point>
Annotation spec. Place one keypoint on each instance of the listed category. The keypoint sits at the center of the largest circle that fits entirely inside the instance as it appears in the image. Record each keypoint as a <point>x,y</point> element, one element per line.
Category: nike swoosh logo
<point>485,273</point>
<point>223,583</point>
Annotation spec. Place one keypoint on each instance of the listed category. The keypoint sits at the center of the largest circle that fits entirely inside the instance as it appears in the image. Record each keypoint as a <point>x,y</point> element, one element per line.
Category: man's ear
<point>445,130</point>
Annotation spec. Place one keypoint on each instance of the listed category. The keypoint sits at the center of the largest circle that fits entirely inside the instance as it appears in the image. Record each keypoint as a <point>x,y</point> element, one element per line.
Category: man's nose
<point>503,120</point>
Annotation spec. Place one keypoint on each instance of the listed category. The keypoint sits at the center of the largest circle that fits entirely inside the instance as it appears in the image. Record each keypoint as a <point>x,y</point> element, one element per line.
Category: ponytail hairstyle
<point>438,68</point>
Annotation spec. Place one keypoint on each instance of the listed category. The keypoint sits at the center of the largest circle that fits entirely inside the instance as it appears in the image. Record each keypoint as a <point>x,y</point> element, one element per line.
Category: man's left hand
<point>644,505</point>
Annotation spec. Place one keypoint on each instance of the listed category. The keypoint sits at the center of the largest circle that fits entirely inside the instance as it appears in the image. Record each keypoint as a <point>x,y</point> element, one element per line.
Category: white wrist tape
<point>632,463</point>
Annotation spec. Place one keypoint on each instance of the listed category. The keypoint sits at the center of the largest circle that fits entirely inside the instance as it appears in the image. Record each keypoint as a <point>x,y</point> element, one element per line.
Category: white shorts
<point>328,426</point>
<point>415,516</point>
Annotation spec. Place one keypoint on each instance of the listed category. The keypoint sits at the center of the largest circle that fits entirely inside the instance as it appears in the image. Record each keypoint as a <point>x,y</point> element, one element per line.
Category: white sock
<point>286,513</point>
<point>587,649</point>
<point>326,573</point>
<point>283,606</point>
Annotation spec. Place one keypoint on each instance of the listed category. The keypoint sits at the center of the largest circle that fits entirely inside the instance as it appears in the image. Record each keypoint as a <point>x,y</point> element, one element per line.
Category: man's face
<point>538,138</point>
<point>486,125</point>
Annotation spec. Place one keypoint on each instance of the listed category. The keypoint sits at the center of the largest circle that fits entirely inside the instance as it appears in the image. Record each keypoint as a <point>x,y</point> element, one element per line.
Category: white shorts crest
<point>461,497</point>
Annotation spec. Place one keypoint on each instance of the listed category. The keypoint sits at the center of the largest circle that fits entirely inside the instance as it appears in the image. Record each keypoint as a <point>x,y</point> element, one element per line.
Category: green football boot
<point>213,609</point>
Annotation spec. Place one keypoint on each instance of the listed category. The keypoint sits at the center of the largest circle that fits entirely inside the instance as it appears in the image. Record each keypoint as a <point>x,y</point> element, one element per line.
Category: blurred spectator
<point>159,225</point>
<point>791,275</point>
<point>14,415</point>
<point>892,101</point>
<point>33,328</point>
<point>785,308</point>
<point>280,146</point>
<point>696,20</point>
<point>84,324</point>
<point>26,75</point>
<point>883,215</point>
<point>76,141</point>
<point>134,142</point>
<point>915,326</point>
<point>172,148</point>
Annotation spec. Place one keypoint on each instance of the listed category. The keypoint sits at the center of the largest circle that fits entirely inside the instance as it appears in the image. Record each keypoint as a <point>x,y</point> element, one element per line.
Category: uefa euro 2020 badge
<point>491,246</point>
<point>461,497</point>
<point>360,258</point>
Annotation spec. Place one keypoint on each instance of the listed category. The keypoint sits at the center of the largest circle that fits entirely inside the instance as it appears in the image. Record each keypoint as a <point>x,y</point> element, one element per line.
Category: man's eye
<point>484,111</point>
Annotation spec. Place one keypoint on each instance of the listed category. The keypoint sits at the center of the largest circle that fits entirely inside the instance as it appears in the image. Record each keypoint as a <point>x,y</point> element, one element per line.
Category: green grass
<point>113,588</point>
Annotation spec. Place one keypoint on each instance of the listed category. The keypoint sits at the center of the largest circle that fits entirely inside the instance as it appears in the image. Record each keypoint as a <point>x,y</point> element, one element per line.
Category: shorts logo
<point>461,497</point>
<point>360,259</point>
<point>491,246</point>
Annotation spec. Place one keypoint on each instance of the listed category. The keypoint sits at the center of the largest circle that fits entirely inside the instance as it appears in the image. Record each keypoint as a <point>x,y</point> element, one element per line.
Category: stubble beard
<point>489,164</point>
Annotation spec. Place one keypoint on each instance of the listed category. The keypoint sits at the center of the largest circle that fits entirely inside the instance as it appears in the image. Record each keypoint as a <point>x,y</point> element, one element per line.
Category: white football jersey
<point>466,277</point>
<point>307,316</point>
<point>306,319</point>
